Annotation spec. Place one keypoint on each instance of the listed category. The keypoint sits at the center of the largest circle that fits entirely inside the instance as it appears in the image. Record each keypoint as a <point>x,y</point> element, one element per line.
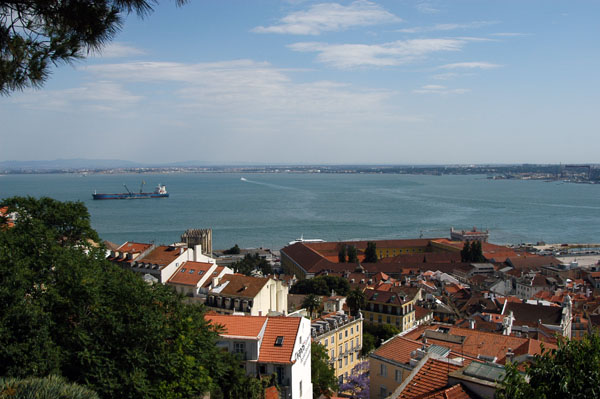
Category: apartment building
<point>341,335</point>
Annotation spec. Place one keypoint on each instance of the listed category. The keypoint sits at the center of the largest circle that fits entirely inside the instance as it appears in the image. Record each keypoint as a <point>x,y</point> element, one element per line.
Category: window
<point>326,339</point>
<point>183,270</point>
<point>388,320</point>
<point>340,379</point>
<point>382,392</point>
<point>351,357</point>
<point>351,330</point>
<point>239,347</point>
<point>340,336</point>
<point>332,354</point>
<point>300,388</point>
<point>262,369</point>
<point>379,319</point>
<point>371,317</point>
<point>398,376</point>
<point>346,346</point>
<point>345,360</point>
<point>383,370</point>
<point>357,344</point>
<point>340,363</point>
<point>192,271</point>
<point>279,341</point>
<point>346,333</point>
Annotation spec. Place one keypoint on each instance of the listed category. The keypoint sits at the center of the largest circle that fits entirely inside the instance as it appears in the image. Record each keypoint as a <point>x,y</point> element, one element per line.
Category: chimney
<point>471,324</point>
<point>509,355</point>
<point>215,282</point>
<point>197,252</point>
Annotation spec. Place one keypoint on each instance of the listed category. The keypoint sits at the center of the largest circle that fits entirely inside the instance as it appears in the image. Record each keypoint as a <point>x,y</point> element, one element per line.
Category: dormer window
<point>183,270</point>
<point>200,272</point>
<point>279,341</point>
<point>192,271</point>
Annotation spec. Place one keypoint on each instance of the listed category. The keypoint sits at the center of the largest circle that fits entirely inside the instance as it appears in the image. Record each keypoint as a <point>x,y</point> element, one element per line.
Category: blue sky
<point>392,82</point>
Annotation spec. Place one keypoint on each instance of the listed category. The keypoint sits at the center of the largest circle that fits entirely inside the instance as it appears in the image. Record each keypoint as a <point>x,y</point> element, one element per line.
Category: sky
<point>320,82</point>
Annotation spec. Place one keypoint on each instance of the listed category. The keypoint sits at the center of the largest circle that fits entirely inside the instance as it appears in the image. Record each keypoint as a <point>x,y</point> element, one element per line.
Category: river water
<point>270,210</point>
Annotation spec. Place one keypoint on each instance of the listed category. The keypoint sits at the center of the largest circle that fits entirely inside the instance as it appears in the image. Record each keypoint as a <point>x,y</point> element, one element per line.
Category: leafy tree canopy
<point>472,252</point>
<point>356,300</point>
<point>252,263</point>
<point>322,374</point>
<point>376,334</point>
<point>322,285</point>
<point>371,253</point>
<point>352,254</point>
<point>235,250</point>
<point>36,34</point>
<point>65,310</point>
<point>571,371</point>
<point>50,387</point>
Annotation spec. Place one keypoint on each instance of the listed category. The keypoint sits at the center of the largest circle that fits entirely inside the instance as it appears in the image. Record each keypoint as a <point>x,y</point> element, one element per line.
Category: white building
<point>271,345</point>
<point>191,276</point>
<point>255,296</point>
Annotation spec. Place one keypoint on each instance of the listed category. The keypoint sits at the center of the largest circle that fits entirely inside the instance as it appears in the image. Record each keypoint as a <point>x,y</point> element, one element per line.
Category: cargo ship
<point>159,192</point>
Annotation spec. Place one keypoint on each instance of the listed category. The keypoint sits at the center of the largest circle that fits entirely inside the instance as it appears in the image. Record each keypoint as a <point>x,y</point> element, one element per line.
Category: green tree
<point>322,374</point>
<point>235,250</point>
<point>378,333</point>
<point>65,310</point>
<point>477,252</point>
<point>252,263</point>
<point>465,253</point>
<point>352,254</point>
<point>311,302</point>
<point>50,387</point>
<point>342,254</point>
<point>571,371</point>
<point>322,285</point>
<point>356,300</point>
<point>371,253</point>
<point>36,34</point>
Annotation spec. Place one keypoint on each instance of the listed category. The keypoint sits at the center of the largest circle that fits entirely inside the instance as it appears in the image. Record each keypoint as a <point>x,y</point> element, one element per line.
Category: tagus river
<point>270,210</point>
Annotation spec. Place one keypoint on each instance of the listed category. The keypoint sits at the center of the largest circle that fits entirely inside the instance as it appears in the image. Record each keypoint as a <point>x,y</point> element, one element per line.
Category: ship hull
<point>129,196</point>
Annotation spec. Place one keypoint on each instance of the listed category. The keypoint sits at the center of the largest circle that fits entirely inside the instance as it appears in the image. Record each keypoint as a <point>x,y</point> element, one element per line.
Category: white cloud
<point>470,65</point>
<point>439,89</point>
<point>117,50</point>
<point>448,27</point>
<point>427,8</point>
<point>328,17</point>
<point>101,96</point>
<point>400,52</point>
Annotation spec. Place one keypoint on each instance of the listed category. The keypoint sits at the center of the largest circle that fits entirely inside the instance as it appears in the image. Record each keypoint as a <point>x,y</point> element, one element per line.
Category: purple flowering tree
<point>357,383</point>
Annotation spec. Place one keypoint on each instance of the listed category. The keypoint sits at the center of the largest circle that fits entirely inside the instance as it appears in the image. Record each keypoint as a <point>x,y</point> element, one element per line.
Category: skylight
<point>279,341</point>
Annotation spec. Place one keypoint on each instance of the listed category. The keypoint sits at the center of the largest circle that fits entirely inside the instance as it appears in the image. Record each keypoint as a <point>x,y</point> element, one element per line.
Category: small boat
<point>159,192</point>
<point>243,179</point>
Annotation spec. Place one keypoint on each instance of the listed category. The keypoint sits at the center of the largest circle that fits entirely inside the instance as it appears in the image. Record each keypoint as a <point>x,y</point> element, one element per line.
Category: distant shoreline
<point>586,174</point>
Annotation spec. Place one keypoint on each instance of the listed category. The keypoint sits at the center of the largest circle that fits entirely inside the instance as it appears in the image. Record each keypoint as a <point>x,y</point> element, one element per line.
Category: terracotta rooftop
<point>398,349</point>
<point>455,392</point>
<point>162,255</point>
<point>238,326</point>
<point>133,247</point>
<point>525,313</point>
<point>387,297</point>
<point>473,342</point>
<point>215,273</point>
<point>190,273</point>
<point>242,286</point>
<point>430,378</point>
<point>428,257</point>
<point>286,327</point>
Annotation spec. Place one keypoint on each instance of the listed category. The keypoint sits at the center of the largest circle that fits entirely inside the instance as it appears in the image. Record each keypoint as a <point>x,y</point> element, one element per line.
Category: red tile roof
<point>238,326</point>
<point>242,286</point>
<point>455,392</point>
<point>133,247</point>
<point>286,327</point>
<point>190,273</point>
<point>162,255</point>
<point>431,377</point>
<point>398,349</point>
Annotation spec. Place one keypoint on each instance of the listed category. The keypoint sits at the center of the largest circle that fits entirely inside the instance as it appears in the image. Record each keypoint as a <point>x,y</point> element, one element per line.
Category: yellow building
<point>394,308</point>
<point>341,335</point>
